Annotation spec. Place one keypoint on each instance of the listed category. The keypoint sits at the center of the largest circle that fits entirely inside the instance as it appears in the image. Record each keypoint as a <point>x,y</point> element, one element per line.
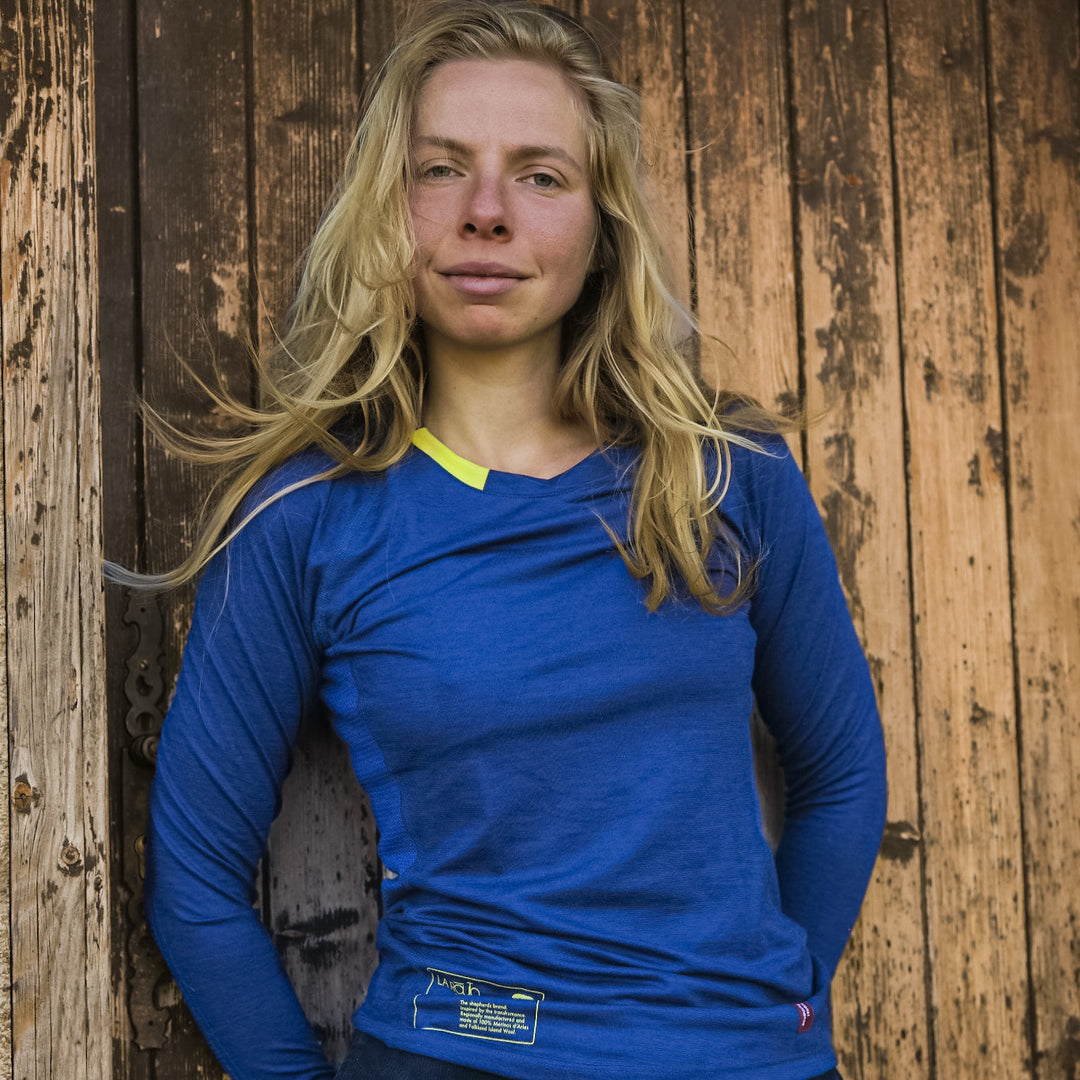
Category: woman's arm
<point>814,690</point>
<point>250,672</point>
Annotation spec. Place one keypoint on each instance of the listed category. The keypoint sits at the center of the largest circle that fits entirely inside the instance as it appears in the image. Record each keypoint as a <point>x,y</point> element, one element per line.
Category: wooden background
<point>56,1006</point>
<point>873,205</point>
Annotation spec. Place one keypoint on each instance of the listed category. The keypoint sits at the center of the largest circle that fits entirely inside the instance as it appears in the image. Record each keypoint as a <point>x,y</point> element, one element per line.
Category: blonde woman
<point>492,526</point>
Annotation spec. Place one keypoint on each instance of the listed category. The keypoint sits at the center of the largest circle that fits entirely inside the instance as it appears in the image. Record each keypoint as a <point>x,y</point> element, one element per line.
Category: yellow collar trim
<point>468,472</point>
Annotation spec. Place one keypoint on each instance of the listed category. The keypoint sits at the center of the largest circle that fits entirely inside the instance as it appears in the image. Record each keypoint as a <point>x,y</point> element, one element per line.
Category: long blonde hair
<point>352,350</point>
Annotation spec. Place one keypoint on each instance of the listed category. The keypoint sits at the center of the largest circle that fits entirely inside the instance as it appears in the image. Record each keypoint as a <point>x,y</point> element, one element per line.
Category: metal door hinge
<point>151,988</point>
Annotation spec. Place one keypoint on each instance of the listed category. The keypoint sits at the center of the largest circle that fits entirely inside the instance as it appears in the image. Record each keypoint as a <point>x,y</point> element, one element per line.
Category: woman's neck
<point>498,411</point>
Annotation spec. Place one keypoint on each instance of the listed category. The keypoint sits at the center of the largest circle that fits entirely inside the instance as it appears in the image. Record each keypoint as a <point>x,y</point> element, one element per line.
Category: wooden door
<point>873,207</point>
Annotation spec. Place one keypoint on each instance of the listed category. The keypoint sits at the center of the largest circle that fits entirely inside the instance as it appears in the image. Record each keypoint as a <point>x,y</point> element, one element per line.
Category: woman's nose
<point>486,212</point>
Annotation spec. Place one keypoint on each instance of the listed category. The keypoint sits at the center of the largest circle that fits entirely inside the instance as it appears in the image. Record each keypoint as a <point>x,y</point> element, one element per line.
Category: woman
<point>535,577</point>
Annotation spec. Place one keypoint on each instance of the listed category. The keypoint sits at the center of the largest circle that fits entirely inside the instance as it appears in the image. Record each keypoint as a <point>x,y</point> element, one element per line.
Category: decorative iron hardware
<point>143,749</point>
<point>150,983</point>
<point>140,852</point>
<point>144,686</point>
<point>151,988</point>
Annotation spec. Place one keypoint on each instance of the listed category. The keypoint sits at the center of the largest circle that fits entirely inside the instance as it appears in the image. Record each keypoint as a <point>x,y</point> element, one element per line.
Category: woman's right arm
<point>250,673</point>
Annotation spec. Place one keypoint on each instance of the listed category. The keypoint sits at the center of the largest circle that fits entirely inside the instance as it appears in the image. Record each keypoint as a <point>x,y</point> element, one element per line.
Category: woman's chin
<point>483,336</point>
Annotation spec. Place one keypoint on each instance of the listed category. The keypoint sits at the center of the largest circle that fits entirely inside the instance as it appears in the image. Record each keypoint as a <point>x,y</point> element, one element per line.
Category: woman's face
<point>501,204</point>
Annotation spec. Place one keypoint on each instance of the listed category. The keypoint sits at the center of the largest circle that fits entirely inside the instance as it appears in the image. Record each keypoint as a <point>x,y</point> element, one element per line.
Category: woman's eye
<point>438,172</point>
<point>544,180</point>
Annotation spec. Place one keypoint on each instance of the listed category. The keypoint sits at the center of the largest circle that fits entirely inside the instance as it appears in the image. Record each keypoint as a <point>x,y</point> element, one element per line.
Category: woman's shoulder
<point>302,501</point>
<point>759,463</point>
<point>766,496</point>
<point>303,476</point>
<point>314,474</point>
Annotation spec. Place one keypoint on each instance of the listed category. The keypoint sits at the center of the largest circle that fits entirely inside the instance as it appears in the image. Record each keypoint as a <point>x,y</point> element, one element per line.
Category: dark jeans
<point>370,1059</point>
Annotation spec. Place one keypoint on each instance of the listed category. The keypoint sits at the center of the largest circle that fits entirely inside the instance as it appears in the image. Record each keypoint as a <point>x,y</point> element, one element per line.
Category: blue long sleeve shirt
<point>580,886</point>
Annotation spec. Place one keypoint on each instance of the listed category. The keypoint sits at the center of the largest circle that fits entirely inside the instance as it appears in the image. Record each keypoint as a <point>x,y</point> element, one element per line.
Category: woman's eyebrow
<point>441,142</point>
<point>454,146</point>
<point>548,152</point>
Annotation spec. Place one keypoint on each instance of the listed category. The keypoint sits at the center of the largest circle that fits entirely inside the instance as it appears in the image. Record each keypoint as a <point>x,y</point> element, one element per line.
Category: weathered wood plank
<point>741,187</point>
<point>193,216</point>
<point>195,305</point>
<point>323,879</point>
<point>5,815</point>
<point>304,58</point>
<point>967,732</point>
<point>8,788</point>
<point>10,88</point>
<point>647,43</point>
<point>129,782</point>
<point>60,931</point>
<point>1036,122</point>
<point>94,760</point>
<point>855,458</point>
<point>114,134</point>
<point>380,21</point>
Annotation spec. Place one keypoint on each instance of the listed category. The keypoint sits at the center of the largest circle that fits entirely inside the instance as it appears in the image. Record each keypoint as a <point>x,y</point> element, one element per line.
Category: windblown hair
<point>353,351</point>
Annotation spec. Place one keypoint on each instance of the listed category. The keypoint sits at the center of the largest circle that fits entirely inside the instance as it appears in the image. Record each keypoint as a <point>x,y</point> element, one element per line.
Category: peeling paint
<point>900,841</point>
<point>973,386</point>
<point>995,443</point>
<point>974,474</point>
<point>322,924</point>
<point>1068,1050</point>
<point>225,297</point>
<point>1027,251</point>
<point>931,379</point>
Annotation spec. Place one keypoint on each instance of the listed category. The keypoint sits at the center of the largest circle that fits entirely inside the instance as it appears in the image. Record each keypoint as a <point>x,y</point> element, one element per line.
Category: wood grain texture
<point>855,463</point>
<point>967,729</point>
<point>121,452</point>
<point>195,304</point>
<point>8,787</point>
<point>738,120</point>
<point>646,42</point>
<point>89,542</point>
<point>304,94</point>
<point>194,239</point>
<point>60,930</point>
<point>1035,88</point>
<point>5,823</point>
<point>11,88</point>
<point>380,21</point>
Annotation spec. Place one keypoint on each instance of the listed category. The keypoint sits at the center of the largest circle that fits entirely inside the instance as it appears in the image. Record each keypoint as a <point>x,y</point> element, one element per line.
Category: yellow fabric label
<point>468,472</point>
<point>477,1009</point>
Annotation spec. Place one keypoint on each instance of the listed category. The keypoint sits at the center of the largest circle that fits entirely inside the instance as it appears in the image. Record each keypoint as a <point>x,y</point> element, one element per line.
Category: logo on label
<point>806,1016</point>
<point>477,1008</point>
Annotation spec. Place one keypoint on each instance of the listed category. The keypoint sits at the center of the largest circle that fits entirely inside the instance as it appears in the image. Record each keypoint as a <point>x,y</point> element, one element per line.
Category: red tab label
<point>806,1016</point>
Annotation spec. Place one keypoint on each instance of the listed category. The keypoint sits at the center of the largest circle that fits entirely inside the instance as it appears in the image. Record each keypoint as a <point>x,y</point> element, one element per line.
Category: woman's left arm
<point>815,693</point>
<point>250,674</point>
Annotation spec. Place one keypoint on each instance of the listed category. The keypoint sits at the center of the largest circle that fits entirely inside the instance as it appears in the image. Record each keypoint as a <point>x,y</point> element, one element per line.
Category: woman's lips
<point>482,279</point>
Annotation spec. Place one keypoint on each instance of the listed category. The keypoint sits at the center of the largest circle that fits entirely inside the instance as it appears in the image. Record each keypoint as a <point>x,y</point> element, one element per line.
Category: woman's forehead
<point>527,100</point>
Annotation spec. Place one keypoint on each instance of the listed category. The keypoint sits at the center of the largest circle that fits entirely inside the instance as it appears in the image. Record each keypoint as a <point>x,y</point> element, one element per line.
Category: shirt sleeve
<point>814,690</point>
<point>250,672</point>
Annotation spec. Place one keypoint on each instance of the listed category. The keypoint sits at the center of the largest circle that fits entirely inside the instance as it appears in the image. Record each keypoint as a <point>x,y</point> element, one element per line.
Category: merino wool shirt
<point>563,781</point>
